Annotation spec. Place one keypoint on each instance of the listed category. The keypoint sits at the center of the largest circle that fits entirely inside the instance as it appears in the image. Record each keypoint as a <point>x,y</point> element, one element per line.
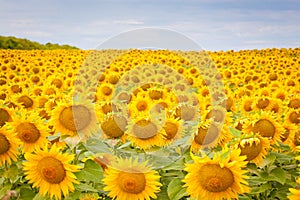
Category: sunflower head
<point>9,145</point>
<point>266,125</point>
<point>74,118</point>
<point>220,177</point>
<point>255,148</point>
<point>6,114</point>
<point>114,125</point>
<point>145,132</point>
<point>50,171</point>
<point>129,179</point>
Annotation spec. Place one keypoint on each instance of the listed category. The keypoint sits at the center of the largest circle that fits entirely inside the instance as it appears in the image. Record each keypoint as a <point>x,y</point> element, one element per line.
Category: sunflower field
<point>150,124</point>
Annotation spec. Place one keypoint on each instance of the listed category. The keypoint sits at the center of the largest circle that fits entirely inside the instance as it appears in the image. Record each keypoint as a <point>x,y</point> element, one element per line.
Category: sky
<point>213,24</point>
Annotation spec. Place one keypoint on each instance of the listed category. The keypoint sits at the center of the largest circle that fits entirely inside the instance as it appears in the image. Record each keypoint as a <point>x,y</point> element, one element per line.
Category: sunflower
<point>74,119</point>
<point>295,194</point>
<point>246,104</point>
<point>30,129</point>
<point>186,112</point>
<point>255,148</point>
<point>9,145</point>
<point>26,99</point>
<point>280,94</point>
<point>173,128</point>
<point>140,104</point>
<point>145,133</point>
<point>6,113</point>
<point>114,125</point>
<point>218,114</point>
<point>209,134</point>
<point>127,179</point>
<point>218,178</point>
<point>261,103</point>
<point>50,171</point>
<point>266,125</point>
<point>293,116</point>
<point>289,132</point>
<point>294,102</point>
<point>295,140</point>
<point>105,91</point>
<point>88,196</point>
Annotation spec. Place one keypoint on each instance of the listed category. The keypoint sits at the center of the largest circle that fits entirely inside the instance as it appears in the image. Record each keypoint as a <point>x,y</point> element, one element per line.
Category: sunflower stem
<point>75,155</point>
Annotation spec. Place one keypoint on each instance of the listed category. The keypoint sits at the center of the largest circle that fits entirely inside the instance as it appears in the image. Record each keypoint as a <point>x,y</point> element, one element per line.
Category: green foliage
<point>10,42</point>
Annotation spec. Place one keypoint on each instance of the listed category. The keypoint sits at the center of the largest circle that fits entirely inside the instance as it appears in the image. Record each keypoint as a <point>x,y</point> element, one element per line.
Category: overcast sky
<point>213,24</point>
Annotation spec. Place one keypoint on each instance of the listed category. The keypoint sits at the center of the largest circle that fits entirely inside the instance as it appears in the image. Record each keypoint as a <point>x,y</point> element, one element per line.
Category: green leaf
<point>12,173</point>
<point>236,133</point>
<point>177,165</point>
<point>85,188</point>
<point>97,146</point>
<point>27,194</point>
<point>39,197</point>
<point>252,168</point>
<point>74,195</point>
<point>244,197</point>
<point>283,157</point>
<point>163,193</point>
<point>175,189</point>
<point>261,188</point>
<point>278,175</point>
<point>91,172</point>
<point>268,160</point>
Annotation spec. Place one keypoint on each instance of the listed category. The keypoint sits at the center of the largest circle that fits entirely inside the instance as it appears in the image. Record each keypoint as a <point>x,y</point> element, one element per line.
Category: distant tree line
<point>10,42</point>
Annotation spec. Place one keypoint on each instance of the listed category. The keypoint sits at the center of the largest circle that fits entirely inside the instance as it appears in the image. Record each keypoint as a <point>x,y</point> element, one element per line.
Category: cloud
<point>129,22</point>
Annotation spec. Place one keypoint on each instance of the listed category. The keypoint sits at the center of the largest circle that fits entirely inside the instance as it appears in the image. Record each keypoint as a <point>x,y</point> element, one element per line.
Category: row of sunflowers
<point>149,124</point>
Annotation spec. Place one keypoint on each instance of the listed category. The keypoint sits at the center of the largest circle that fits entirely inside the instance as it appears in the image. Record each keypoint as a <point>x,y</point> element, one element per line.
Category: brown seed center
<point>4,116</point>
<point>294,117</point>
<point>171,130</point>
<point>264,127</point>
<point>213,178</point>
<point>207,135</point>
<point>75,118</point>
<point>52,170</point>
<point>144,129</point>
<point>28,132</point>
<point>4,147</point>
<point>114,126</point>
<point>251,151</point>
<point>133,183</point>
<point>26,101</point>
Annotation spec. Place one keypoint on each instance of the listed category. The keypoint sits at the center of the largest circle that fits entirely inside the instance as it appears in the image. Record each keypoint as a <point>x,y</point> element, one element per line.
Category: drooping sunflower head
<point>114,125</point>
<point>216,178</point>
<point>209,134</point>
<point>255,148</point>
<point>173,129</point>
<point>129,179</point>
<point>289,132</point>
<point>50,171</point>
